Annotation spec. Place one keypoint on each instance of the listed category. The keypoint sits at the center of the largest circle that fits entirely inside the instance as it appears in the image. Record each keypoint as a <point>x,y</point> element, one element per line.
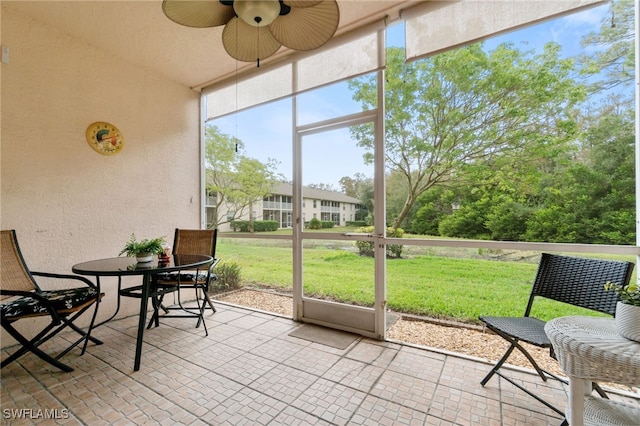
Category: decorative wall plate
<point>104,138</point>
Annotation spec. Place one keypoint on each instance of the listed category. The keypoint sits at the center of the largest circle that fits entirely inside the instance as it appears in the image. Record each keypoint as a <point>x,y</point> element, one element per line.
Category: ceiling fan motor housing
<point>258,13</point>
<point>256,29</point>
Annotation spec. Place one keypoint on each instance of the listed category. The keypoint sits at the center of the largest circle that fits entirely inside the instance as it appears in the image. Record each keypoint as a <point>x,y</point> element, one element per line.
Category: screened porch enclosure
<point>292,92</point>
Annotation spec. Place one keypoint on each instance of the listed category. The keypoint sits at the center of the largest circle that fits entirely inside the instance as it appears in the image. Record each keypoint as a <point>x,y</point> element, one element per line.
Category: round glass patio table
<point>125,266</point>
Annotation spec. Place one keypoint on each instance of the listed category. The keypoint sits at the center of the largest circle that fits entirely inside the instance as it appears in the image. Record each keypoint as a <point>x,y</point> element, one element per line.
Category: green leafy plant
<point>394,251</point>
<point>228,274</point>
<point>134,247</point>
<point>628,294</point>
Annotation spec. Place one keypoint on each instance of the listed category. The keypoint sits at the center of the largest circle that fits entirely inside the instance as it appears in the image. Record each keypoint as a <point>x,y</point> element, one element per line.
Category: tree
<point>356,185</point>
<point>434,205</point>
<point>614,57</point>
<point>322,187</point>
<point>361,187</point>
<point>236,180</point>
<point>593,201</point>
<point>466,106</point>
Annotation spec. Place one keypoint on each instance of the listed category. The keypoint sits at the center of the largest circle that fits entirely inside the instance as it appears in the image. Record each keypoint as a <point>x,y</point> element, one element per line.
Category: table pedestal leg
<point>578,389</point>
<point>142,321</point>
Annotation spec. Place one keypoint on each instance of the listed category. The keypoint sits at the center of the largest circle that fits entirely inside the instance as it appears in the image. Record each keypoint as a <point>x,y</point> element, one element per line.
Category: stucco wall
<point>68,203</point>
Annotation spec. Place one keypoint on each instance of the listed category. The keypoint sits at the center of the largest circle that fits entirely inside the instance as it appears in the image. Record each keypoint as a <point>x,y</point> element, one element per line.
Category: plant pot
<point>628,321</point>
<point>144,257</point>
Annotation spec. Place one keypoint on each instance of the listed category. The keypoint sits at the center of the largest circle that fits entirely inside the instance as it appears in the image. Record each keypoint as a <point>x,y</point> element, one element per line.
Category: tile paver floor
<point>250,371</point>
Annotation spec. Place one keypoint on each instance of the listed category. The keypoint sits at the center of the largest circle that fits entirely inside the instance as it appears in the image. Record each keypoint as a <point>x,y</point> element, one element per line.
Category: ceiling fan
<point>255,29</point>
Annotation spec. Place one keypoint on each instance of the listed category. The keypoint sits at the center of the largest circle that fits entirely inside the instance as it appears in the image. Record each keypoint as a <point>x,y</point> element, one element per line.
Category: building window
<point>212,198</point>
<point>286,220</point>
<point>271,202</point>
<point>271,215</point>
<point>286,203</point>
<point>211,217</point>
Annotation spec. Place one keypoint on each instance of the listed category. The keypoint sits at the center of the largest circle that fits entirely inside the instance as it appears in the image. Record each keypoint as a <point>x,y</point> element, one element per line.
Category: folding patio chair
<point>21,297</point>
<point>189,241</point>
<point>573,280</point>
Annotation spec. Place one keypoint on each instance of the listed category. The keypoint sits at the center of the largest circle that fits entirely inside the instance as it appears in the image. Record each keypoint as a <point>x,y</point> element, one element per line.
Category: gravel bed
<point>453,338</point>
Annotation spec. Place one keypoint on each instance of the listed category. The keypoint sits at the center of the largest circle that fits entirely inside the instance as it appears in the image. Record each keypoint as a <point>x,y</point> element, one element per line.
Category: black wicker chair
<point>573,280</point>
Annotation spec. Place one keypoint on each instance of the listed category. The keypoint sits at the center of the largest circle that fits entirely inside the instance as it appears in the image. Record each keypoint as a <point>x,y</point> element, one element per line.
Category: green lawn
<point>424,284</point>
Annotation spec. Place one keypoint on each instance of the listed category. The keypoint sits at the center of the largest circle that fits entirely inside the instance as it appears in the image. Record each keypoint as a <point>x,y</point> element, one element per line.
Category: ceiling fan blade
<point>301,3</point>
<point>247,43</point>
<point>197,13</point>
<point>307,28</point>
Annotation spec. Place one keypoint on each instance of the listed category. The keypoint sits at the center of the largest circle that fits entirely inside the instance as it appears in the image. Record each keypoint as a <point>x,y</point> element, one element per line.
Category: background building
<point>329,206</point>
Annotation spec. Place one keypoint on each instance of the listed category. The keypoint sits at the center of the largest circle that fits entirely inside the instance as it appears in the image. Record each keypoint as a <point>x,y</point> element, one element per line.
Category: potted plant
<point>143,250</point>
<point>627,309</point>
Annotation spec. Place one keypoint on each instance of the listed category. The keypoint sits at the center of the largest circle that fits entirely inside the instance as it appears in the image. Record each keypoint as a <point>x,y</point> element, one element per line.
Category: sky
<point>266,131</point>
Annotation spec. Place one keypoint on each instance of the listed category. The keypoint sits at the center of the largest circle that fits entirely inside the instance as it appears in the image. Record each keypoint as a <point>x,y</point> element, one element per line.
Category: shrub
<point>228,274</point>
<point>239,225</point>
<point>365,248</point>
<point>354,223</point>
<point>265,225</point>
<point>395,250</point>
<point>317,224</point>
<point>314,224</point>
<point>256,226</point>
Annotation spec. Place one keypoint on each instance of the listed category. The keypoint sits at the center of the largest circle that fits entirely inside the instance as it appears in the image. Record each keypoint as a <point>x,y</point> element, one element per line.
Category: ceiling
<point>141,34</point>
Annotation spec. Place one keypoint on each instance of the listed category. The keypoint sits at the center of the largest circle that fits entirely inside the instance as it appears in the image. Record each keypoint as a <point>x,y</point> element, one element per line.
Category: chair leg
<point>533,362</point>
<point>90,329</point>
<point>206,301</point>
<point>596,387</point>
<point>69,322</point>
<point>531,394</point>
<point>202,303</point>
<point>206,296</point>
<point>156,302</point>
<point>495,370</point>
<point>85,334</point>
<point>47,333</point>
<point>514,345</point>
<point>200,310</point>
<point>201,315</point>
<point>32,346</point>
<point>497,366</point>
<point>161,305</point>
<point>24,348</point>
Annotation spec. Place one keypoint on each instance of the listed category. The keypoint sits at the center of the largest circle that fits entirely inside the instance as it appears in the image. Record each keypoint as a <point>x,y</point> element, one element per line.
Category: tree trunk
<point>404,212</point>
